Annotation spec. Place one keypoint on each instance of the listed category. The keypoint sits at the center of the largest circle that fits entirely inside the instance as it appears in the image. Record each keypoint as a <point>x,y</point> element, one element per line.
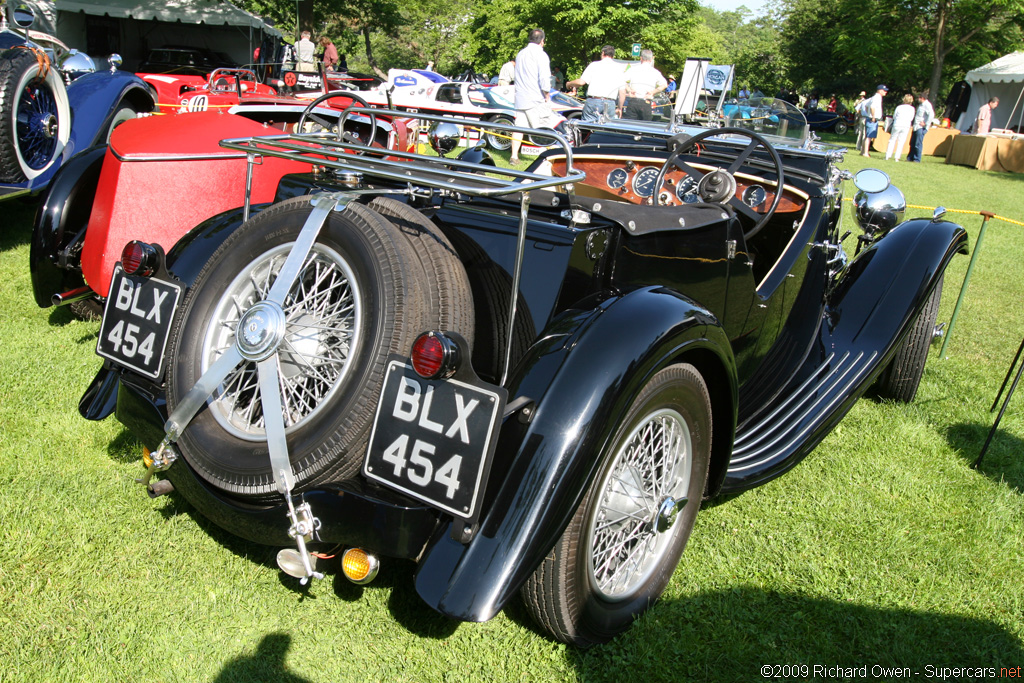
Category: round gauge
<point>754,196</point>
<point>686,190</point>
<point>643,182</point>
<point>618,178</point>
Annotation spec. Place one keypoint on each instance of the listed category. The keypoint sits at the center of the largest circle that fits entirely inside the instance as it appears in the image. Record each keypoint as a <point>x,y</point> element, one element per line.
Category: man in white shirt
<point>643,82</point>
<point>923,118</point>
<point>603,78</point>
<point>533,90</point>
<point>304,53</point>
<point>873,111</point>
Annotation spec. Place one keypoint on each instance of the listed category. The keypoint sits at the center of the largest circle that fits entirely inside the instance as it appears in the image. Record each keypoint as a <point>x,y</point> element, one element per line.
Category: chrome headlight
<point>879,212</point>
<point>444,137</point>
<point>78,64</point>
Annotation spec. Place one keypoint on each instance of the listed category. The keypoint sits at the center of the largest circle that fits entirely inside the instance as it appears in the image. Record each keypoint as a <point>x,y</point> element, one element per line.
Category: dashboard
<point>633,181</point>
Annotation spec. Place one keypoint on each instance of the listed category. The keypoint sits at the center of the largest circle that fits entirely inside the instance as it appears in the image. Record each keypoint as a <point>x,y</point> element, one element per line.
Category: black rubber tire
<point>841,127</point>
<point>19,71</point>
<point>396,279</point>
<point>900,380</point>
<point>498,140</point>
<point>561,594</point>
<point>123,114</point>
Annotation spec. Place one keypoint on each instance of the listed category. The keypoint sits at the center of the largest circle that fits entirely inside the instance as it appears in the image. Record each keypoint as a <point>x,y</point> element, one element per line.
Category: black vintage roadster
<point>525,381</point>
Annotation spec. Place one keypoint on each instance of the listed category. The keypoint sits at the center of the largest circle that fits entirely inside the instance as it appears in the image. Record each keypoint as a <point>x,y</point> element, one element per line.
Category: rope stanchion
<point>986,217</point>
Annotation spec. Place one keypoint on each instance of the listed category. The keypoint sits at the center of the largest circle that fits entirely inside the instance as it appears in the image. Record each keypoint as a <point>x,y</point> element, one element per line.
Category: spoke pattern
<point>36,104</point>
<point>322,323</point>
<point>625,546</point>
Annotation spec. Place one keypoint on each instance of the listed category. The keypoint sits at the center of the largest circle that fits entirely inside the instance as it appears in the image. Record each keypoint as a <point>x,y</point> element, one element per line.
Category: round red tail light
<point>138,258</point>
<point>434,356</point>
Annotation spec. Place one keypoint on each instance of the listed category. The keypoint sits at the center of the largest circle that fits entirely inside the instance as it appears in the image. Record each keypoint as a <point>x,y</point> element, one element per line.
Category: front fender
<point>95,98</point>
<point>878,297</point>
<point>582,375</point>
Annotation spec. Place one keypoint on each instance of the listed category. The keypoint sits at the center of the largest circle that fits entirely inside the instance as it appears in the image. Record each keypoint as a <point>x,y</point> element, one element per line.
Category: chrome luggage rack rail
<point>418,171</point>
<point>328,150</point>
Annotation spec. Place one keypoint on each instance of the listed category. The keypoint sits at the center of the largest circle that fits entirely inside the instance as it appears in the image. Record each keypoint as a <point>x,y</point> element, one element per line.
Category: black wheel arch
<point>541,469</point>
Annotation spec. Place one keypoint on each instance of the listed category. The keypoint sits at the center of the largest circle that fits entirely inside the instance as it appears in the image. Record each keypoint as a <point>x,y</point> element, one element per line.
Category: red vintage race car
<point>221,88</point>
<point>74,252</point>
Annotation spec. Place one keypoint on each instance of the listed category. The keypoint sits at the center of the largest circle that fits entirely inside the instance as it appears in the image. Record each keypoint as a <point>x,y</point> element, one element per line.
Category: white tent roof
<point>1007,69</point>
<point>186,11</point>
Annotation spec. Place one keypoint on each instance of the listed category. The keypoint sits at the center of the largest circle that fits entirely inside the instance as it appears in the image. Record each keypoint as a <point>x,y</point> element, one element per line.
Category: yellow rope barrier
<point>970,212</point>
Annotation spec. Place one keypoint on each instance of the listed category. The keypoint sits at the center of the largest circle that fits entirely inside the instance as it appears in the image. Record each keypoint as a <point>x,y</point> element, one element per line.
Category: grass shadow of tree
<point>730,635</point>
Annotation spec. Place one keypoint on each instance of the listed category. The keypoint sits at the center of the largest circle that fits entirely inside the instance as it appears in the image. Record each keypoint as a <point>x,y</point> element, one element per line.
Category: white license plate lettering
<point>137,321</point>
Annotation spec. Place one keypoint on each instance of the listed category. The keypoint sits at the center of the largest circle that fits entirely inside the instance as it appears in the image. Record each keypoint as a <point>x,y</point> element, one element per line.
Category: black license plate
<point>137,321</point>
<point>433,440</point>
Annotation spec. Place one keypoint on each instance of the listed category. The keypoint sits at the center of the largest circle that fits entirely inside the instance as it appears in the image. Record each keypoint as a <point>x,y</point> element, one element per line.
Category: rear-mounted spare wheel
<point>367,289</point>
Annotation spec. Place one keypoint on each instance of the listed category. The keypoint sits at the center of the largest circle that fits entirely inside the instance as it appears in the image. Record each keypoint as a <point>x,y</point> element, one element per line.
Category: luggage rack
<point>456,176</point>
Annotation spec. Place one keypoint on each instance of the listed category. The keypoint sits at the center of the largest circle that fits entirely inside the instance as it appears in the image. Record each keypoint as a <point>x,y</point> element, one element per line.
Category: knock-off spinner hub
<point>260,331</point>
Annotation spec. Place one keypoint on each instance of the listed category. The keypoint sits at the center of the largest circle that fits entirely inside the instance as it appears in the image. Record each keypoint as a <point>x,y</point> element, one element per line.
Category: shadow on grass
<point>19,215</point>
<point>1003,461</point>
<point>267,663</point>
<point>730,635</point>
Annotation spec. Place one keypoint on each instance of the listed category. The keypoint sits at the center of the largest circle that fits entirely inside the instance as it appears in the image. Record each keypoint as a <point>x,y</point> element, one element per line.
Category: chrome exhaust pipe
<point>76,294</point>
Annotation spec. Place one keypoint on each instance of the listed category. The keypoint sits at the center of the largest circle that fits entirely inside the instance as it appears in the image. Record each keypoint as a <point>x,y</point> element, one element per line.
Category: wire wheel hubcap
<point>313,336</point>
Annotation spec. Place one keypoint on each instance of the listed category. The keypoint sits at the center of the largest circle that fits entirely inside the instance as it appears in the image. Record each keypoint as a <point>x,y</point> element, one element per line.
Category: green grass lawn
<point>882,549</point>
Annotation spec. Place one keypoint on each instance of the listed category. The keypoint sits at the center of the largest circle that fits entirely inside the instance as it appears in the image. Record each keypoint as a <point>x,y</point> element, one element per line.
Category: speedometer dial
<point>686,190</point>
<point>643,182</point>
<point>754,196</point>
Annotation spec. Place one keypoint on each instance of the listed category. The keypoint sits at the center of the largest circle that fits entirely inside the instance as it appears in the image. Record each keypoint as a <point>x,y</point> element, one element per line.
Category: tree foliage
<point>849,45</point>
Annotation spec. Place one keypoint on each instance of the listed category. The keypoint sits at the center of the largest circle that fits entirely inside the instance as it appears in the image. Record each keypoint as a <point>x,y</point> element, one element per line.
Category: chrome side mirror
<point>23,15</point>
<point>871,180</point>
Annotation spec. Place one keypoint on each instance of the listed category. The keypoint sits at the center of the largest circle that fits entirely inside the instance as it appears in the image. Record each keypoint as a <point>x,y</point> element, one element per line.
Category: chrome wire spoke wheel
<point>630,529</point>
<point>322,317</point>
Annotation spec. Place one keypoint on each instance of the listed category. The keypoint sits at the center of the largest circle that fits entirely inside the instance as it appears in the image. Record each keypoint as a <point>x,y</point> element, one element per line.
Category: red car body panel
<point>176,93</point>
<point>143,169</point>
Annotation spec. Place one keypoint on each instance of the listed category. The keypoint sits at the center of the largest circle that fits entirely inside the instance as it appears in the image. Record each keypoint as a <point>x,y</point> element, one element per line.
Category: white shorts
<point>540,116</point>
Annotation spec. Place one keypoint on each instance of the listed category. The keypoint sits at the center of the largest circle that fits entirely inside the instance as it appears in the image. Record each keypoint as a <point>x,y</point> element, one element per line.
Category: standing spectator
<point>812,103</point>
<point>507,74</point>
<point>533,90</point>
<point>860,119</point>
<point>643,82</point>
<point>430,66</point>
<point>330,58</point>
<point>603,78</point>
<point>744,93</point>
<point>902,119</point>
<point>304,53</point>
<point>923,118</point>
<point>833,103</point>
<point>557,79</point>
<point>671,85</point>
<point>873,113</point>
<point>983,123</point>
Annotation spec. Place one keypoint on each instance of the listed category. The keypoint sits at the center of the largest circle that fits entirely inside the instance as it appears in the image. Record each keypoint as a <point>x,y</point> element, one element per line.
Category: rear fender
<point>582,376</point>
<point>54,262</point>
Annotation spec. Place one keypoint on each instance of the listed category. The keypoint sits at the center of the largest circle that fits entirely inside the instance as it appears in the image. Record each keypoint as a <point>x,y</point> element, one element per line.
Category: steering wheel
<point>719,186</point>
<point>310,113</point>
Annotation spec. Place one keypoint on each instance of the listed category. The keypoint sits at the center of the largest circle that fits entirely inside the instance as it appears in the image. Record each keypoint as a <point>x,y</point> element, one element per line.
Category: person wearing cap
<point>861,99</point>
<point>671,89</point>
<point>873,111</point>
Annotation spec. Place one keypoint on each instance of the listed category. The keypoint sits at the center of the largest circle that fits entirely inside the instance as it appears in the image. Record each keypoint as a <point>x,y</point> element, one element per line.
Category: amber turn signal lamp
<point>359,566</point>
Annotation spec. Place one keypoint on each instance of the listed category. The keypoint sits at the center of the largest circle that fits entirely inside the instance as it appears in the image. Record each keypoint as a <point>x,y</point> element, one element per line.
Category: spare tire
<point>35,118</point>
<point>368,288</point>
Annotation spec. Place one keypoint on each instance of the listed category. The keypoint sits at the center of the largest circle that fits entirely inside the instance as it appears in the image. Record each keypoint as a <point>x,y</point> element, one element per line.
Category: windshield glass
<point>492,98</point>
<point>774,118</point>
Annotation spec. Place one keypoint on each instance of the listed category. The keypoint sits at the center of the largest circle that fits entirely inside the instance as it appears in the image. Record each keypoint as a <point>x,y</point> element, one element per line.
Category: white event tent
<point>1003,78</point>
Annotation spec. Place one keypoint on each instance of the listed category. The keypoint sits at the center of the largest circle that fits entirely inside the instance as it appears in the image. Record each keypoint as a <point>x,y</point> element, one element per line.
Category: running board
<point>778,439</point>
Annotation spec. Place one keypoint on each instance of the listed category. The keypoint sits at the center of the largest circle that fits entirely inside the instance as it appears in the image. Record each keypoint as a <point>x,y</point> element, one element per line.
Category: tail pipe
<point>70,296</point>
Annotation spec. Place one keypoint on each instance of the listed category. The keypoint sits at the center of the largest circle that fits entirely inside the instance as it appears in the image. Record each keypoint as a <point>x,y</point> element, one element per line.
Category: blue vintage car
<point>54,103</point>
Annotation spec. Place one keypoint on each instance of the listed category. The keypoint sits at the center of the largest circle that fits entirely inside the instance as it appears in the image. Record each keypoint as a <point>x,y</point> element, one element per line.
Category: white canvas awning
<point>207,12</point>
<point>1003,78</point>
